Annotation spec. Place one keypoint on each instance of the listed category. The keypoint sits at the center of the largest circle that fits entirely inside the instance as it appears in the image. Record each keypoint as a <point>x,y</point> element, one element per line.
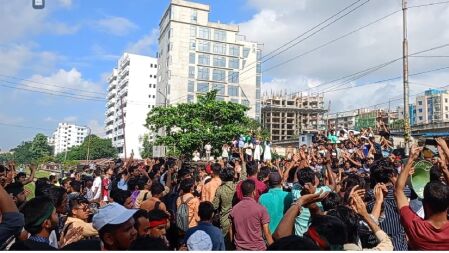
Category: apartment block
<point>286,117</point>
<point>342,120</point>
<point>131,95</point>
<point>67,136</point>
<point>432,107</point>
<point>196,56</point>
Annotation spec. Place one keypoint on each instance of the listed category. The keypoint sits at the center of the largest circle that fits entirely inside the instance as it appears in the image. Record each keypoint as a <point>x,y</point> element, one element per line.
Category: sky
<point>71,46</point>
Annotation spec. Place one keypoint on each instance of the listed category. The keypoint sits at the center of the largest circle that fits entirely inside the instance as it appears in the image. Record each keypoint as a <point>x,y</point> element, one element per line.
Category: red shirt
<point>260,188</point>
<point>105,186</point>
<point>248,218</point>
<point>422,234</point>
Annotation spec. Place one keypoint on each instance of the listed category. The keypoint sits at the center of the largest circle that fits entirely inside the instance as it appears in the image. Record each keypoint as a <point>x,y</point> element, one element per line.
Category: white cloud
<point>66,81</point>
<point>274,24</point>
<point>146,45</point>
<point>97,128</point>
<point>118,26</point>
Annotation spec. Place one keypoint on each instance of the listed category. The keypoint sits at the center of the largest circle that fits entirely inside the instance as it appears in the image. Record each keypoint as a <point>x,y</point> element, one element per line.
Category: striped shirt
<point>391,224</point>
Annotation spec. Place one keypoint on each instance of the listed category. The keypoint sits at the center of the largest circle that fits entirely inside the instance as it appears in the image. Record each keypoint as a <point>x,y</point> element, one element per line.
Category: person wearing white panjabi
<point>258,151</point>
<point>267,151</point>
<point>196,156</point>
<point>208,149</point>
<point>225,150</point>
<point>249,151</point>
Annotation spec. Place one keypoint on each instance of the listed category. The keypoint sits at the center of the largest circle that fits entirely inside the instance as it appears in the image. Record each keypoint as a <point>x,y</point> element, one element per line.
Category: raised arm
<point>33,168</point>
<point>401,199</point>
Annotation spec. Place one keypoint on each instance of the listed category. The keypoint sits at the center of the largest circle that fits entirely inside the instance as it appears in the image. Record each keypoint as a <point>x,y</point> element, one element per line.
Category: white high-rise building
<point>132,89</point>
<point>67,136</point>
<point>196,56</point>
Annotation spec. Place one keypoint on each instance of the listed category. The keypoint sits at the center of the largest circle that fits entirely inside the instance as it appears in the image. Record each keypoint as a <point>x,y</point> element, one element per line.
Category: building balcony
<point>110,104</point>
<point>124,71</point>
<point>111,95</point>
<point>123,92</point>
<point>123,82</point>
<point>119,143</point>
<point>112,86</point>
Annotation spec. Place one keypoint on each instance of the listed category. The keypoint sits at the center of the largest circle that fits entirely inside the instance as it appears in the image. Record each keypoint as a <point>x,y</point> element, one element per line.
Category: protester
<point>276,201</point>
<point>192,238</point>
<point>209,189</point>
<point>79,212</point>
<point>141,223</point>
<point>250,221</point>
<point>115,225</point>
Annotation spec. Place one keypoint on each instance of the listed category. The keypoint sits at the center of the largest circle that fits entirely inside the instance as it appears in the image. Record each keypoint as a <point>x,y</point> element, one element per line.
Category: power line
<point>429,4</point>
<point>54,85</point>
<point>22,126</point>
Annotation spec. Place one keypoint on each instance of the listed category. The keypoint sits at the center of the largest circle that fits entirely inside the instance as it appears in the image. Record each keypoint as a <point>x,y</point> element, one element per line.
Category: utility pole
<point>88,145</point>
<point>123,124</point>
<point>405,76</point>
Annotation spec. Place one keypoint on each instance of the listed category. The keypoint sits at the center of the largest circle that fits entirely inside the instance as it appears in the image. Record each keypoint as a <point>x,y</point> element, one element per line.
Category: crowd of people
<point>348,190</point>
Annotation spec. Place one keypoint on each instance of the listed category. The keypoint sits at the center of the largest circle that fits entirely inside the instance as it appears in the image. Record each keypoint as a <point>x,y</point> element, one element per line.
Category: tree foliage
<point>98,148</point>
<point>190,126</point>
<point>147,147</point>
<point>30,151</point>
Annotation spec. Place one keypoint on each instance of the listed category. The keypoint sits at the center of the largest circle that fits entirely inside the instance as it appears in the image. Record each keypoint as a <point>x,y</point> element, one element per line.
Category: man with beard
<point>17,193</point>
<point>40,220</point>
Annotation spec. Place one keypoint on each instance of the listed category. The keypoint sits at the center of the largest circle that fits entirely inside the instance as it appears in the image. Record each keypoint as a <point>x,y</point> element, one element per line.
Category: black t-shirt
<point>29,245</point>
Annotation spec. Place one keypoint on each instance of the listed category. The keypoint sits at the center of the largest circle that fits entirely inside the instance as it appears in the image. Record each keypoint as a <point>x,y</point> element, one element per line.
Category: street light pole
<point>88,145</point>
<point>405,77</point>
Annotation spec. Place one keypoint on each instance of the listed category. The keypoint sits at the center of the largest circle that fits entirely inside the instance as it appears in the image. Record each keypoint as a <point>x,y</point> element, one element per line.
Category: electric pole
<point>405,76</point>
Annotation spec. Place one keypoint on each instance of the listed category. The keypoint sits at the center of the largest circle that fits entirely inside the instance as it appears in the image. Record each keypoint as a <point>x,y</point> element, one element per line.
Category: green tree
<point>147,150</point>
<point>39,147</point>
<point>190,126</point>
<point>98,148</point>
<point>22,153</point>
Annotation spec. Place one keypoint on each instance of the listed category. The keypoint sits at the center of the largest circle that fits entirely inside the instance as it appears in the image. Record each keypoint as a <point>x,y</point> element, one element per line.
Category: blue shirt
<point>277,202</point>
<point>215,235</point>
<point>302,222</point>
<point>122,184</point>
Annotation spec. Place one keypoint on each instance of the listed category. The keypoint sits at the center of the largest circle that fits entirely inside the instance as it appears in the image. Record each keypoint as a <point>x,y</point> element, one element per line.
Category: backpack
<point>182,215</point>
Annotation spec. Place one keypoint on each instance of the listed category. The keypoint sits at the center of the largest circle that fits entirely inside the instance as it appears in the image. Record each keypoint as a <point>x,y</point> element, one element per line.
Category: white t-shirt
<point>96,187</point>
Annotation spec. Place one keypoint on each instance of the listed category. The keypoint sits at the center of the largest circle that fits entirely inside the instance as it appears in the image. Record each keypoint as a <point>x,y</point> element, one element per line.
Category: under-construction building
<point>288,116</point>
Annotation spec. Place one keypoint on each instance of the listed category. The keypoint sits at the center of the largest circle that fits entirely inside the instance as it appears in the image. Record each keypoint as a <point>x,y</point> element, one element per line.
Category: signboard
<point>158,151</point>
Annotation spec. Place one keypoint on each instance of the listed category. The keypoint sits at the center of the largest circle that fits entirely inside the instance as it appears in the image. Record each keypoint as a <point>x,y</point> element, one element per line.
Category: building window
<point>245,102</point>
<point>257,93</point>
<point>194,16</point>
<point>446,108</point>
<point>234,63</point>
<point>154,85</point>
<point>220,35</point>
<point>235,100</point>
<point>192,44</point>
<point>234,50</point>
<point>419,102</point>
<point>192,72</point>
<point>202,87</point>
<point>193,31</point>
<point>219,61</point>
<point>219,98</point>
<point>258,80</point>
<point>203,73</point>
<point>233,91</point>
<point>258,68</point>
<point>245,52</point>
<point>218,75</point>
<point>220,88</point>
<point>204,33</point>
<point>204,46</point>
<point>219,48</point>
<point>190,98</point>
<point>233,77</point>
<point>420,118</point>
<point>191,86</point>
<point>192,58</point>
<point>204,59</point>
<point>445,100</point>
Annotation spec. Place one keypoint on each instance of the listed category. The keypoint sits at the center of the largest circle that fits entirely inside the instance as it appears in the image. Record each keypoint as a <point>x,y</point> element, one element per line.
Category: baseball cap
<point>199,241</point>
<point>113,213</point>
